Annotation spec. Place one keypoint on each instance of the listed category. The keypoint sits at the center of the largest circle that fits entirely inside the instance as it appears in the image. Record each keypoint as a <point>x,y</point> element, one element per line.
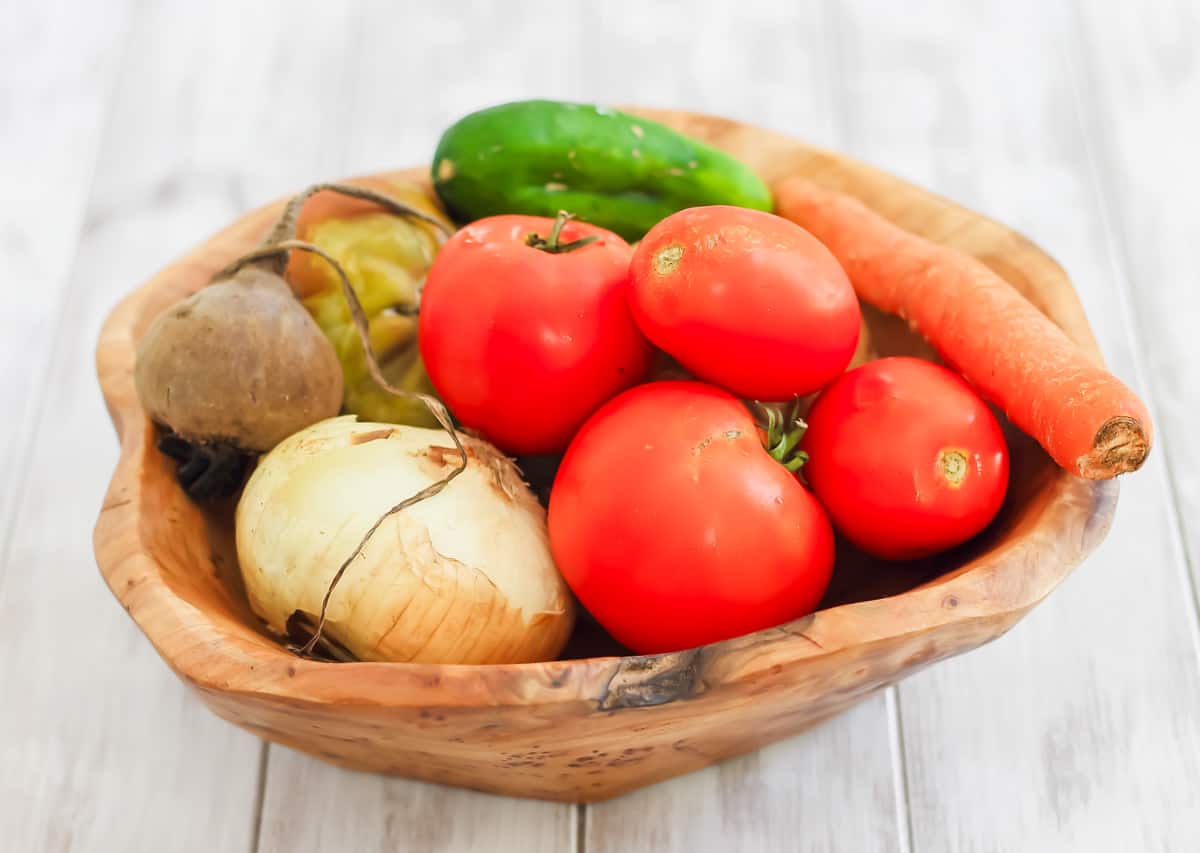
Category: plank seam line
<point>41,393</point>
<point>904,829</point>
<point>835,62</point>
<point>1118,257</point>
<point>351,70</point>
<point>260,791</point>
<point>844,132</point>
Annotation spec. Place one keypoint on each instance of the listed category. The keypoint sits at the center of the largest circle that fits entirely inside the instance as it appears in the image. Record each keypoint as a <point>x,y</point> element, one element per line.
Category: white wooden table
<point>130,130</point>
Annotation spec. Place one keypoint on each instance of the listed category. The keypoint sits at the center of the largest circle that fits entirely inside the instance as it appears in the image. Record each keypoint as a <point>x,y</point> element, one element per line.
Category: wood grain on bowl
<point>588,729</point>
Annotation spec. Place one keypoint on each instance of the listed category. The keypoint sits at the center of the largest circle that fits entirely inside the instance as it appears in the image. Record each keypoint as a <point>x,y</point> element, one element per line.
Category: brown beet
<point>239,362</point>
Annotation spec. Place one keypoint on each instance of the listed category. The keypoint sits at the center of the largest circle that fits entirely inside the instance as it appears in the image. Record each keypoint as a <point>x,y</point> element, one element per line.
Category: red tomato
<point>523,344</point>
<point>746,300</point>
<point>675,528</point>
<point>906,457</point>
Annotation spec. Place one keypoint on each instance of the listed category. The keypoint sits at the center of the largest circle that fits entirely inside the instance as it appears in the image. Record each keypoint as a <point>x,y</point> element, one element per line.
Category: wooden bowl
<point>587,729</point>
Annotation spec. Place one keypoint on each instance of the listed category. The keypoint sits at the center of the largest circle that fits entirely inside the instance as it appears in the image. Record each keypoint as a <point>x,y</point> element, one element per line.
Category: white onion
<point>465,576</point>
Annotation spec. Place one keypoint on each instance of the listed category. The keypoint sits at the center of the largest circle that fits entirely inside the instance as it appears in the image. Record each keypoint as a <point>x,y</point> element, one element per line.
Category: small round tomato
<point>525,328</point>
<point>675,528</point>
<point>906,457</point>
<point>746,300</point>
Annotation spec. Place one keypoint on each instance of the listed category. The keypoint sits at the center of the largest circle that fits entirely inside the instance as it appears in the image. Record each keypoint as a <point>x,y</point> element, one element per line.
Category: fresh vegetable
<point>1089,421</point>
<point>525,328</point>
<point>386,257</point>
<point>238,363</point>
<point>675,527</point>
<point>612,169</point>
<point>745,300</point>
<point>906,457</point>
<point>464,576</point>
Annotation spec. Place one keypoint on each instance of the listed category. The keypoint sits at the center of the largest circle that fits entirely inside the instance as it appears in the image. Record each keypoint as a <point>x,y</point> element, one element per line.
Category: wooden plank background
<point>130,130</point>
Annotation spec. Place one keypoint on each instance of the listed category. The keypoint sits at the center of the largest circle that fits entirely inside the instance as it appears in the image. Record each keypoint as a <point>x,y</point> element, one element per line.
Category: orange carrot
<point>1089,421</point>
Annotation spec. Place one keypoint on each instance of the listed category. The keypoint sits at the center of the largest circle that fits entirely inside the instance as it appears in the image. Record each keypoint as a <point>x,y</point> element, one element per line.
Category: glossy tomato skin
<point>522,344</point>
<point>906,457</point>
<point>745,300</point>
<point>675,528</point>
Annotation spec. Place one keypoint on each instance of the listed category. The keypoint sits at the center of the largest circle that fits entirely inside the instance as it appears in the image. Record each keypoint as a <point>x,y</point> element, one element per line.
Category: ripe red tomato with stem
<point>745,300</point>
<point>906,456</point>
<point>525,328</point>
<point>675,526</point>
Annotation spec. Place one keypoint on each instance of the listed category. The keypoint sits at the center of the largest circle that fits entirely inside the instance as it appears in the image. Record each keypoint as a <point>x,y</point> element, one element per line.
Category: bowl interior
<point>198,556</point>
<point>193,551</point>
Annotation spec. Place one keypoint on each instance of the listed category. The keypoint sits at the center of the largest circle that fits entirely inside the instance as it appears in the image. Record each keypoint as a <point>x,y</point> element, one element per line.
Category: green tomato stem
<point>551,244</point>
<point>796,462</point>
<point>789,442</point>
<point>784,432</point>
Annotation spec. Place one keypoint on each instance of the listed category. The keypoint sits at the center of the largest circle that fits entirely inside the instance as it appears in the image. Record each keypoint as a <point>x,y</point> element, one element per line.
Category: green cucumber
<point>607,167</point>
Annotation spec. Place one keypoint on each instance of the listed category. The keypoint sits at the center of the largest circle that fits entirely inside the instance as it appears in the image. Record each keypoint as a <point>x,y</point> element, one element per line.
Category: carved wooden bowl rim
<point>215,652</point>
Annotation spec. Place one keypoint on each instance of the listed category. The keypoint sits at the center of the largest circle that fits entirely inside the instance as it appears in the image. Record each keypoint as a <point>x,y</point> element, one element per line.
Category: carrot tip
<point>1121,445</point>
